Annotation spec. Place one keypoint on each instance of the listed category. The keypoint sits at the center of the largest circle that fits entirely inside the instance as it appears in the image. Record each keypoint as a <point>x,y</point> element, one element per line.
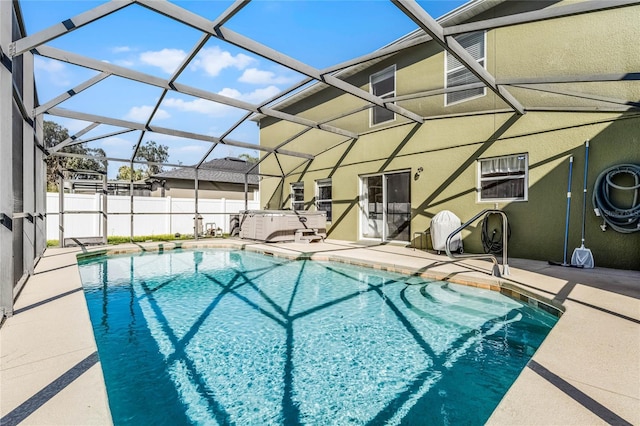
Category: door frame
<point>362,199</point>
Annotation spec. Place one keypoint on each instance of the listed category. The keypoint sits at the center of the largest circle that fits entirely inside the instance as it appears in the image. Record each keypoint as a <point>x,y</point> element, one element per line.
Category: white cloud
<point>124,63</point>
<point>143,112</point>
<point>230,93</point>
<point>73,126</point>
<point>161,138</point>
<point>56,71</point>
<point>260,95</point>
<point>203,106</point>
<point>256,76</point>
<point>48,65</point>
<point>166,59</point>
<point>213,60</point>
<point>115,141</point>
<point>191,148</point>
<point>121,49</point>
<point>254,97</point>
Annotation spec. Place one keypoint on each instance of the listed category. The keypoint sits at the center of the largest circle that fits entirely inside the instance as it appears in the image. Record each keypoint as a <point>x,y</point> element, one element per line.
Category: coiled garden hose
<point>492,239</point>
<point>623,220</point>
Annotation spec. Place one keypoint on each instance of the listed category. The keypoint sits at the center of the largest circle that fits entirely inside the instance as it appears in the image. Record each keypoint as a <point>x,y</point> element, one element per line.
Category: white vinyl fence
<point>164,215</point>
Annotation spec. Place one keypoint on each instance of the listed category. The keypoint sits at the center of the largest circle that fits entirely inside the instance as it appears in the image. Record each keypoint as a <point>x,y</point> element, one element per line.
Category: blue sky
<point>319,33</point>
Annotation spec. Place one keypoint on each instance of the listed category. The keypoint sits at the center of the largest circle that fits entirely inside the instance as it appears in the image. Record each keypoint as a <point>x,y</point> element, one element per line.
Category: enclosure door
<point>386,206</point>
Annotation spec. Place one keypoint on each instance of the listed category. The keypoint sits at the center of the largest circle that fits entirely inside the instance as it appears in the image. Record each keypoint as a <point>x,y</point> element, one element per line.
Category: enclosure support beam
<point>40,189</point>
<point>540,15</point>
<point>174,77</point>
<point>117,159</point>
<point>196,228</point>
<point>59,112</point>
<point>28,166</point>
<point>254,47</point>
<point>131,201</point>
<point>61,210</point>
<point>572,93</point>
<point>48,34</point>
<point>611,109</point>
<point>72,138</point>
<point>378,54</point>
<point>587,78</point>
<point>71,92</point>
<point>195,21</point>
<point>95,138</point>
<point>105,211</point>
<point>6,163</point>
<point>435,30</point>
<point>83,61</point>
<point>246,191</point>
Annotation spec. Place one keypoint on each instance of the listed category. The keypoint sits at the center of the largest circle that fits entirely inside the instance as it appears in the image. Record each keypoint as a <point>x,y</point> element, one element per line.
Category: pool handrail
<point>495,271</point>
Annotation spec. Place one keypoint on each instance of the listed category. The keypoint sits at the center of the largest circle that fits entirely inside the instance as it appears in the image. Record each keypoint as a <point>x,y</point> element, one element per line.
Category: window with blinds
<point>297,196</point>
<point>323,197</point>
<point>383,85</point>
<point>503,178</point>
<point>458,74</point>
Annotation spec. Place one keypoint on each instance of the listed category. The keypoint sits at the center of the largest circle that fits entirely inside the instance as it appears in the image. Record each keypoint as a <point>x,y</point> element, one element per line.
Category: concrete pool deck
<point>586,372</point>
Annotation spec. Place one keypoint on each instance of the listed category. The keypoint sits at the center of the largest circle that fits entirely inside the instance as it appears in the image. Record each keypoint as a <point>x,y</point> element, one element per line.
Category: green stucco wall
<point>448,148</point>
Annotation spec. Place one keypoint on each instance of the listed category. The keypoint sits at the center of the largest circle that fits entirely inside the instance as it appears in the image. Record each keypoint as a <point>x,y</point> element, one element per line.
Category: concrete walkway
<point>586,372</point>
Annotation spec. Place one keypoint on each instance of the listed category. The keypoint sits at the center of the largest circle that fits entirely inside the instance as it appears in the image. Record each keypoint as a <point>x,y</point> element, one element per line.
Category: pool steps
<point>493,283</point>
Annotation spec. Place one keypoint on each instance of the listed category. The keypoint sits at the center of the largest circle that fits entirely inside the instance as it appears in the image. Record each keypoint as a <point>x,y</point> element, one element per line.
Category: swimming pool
<point>229,337</point>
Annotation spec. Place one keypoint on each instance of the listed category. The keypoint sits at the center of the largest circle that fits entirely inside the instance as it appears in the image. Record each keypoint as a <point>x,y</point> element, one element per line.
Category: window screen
<point>323,197</point>
<point>297,196</point>
<point>383,85</point>
<point>458,74</point>
<point>503,178</point>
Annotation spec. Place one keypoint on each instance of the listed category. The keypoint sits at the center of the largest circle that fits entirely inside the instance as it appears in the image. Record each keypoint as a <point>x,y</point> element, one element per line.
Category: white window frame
<point>390,94</point>
<point>324,183</point>
<point>482,61</point>
<point>480,180</point>
<point>293,187</point>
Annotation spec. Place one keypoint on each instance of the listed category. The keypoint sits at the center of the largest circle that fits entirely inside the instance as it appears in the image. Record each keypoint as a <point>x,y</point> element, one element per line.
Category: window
<point>503,178</point>
<point>458,74</point>
<point>323,197</point>
<point>297,196</point>
<point>383,85</point>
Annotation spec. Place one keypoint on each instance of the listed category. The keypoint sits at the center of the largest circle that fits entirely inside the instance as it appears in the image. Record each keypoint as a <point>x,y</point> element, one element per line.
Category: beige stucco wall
<point>447,149</point>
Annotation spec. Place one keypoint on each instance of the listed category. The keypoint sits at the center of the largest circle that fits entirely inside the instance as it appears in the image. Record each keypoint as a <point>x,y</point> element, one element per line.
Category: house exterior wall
<point>448,149</point>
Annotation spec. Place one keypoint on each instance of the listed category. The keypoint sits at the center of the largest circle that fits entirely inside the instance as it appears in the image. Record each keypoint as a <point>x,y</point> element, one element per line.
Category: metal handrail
<point>505,226</point>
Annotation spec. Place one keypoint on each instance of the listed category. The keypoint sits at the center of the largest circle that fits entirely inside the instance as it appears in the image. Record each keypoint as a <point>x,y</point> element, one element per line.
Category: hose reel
<point>621,219</point>
<point>492,238</point>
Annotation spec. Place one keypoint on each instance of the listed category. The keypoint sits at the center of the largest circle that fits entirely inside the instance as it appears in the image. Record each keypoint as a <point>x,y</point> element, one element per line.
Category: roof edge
<point>454,17</point>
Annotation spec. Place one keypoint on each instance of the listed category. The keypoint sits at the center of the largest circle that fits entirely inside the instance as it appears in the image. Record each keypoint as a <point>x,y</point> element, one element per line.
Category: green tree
<point>124,173</point>
<point>149,151</point>
<point>55,134</point>
<point>155,153</point>
<point>249,157</point>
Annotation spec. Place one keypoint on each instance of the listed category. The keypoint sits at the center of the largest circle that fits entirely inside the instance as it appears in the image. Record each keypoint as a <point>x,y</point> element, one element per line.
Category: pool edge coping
<point>500,284</point>
<point>574,366</point>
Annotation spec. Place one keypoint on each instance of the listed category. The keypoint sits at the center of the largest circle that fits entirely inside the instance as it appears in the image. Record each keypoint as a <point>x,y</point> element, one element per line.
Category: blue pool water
<point>228,337</point>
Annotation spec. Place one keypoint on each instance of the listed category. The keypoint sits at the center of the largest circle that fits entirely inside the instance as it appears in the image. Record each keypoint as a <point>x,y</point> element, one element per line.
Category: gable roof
<point>227,170</point>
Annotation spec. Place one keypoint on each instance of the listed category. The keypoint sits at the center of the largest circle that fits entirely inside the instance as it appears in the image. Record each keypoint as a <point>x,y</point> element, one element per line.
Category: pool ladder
<point>495,271</point>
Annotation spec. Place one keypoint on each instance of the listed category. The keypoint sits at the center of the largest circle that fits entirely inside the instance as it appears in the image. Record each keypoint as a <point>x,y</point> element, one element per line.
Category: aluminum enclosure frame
<point>22,167</point>
<point>18,102</point>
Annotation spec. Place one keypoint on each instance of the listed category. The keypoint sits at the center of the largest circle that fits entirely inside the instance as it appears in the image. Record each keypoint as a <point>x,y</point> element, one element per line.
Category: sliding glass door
<point>372,202</point>
<point>386,206</point>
